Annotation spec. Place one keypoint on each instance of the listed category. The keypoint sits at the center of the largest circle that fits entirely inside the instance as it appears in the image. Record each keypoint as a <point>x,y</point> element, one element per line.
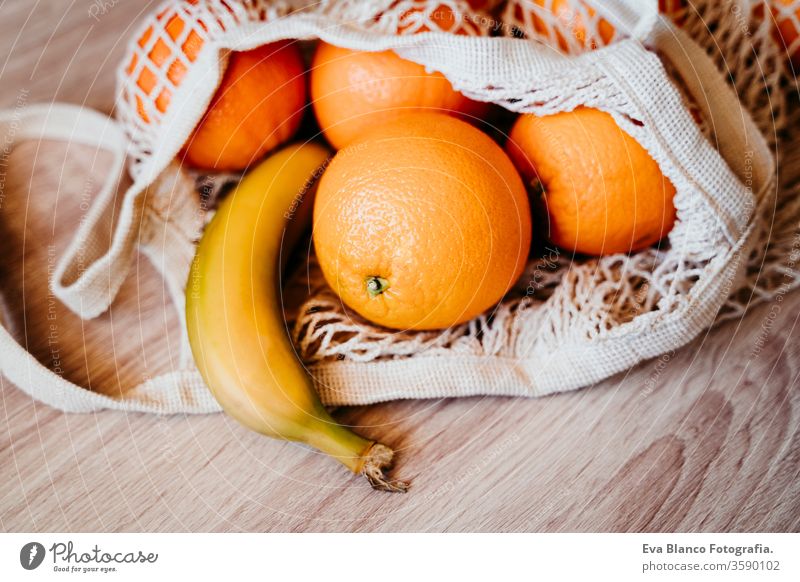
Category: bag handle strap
<point>90,272</point>
<point>179,391</point>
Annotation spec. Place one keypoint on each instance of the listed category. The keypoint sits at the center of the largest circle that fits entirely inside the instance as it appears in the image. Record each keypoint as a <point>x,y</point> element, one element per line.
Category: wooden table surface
<point>705,439</point>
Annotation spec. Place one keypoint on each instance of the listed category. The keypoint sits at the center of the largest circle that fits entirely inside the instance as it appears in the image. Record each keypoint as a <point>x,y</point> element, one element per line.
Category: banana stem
<point>376,461</point>
<point>361,456</point>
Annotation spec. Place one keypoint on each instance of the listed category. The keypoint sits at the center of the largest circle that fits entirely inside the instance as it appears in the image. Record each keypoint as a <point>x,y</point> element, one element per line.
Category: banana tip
<point>376,462</point>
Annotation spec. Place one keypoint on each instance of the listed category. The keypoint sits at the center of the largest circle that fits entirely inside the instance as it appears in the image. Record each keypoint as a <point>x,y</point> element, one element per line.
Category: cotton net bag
<point>567,324</point>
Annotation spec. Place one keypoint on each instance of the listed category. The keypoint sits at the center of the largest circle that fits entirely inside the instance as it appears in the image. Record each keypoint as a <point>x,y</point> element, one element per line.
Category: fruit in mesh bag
<point>599,189</point>
<point>352,91</point>
<point>422,224</point>
<point>259,102</point>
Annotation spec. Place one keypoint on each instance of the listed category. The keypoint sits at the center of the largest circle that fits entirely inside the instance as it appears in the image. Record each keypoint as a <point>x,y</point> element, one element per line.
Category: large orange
<point>423,223</point>
<point>258,106</point>
<point>353,90</point>
<point>600,190</point>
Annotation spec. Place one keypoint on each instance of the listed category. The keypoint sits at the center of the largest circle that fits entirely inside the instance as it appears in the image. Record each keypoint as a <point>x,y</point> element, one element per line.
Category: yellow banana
<point>235,320</point>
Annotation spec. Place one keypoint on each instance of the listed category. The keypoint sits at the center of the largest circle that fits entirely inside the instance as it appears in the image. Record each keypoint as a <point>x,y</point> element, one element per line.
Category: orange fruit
<point>352,91</point>
<point>787,27</point>
<point>258,106</point>
<point>422,224</point>
<point>574,25</point>
<point>600,190</point>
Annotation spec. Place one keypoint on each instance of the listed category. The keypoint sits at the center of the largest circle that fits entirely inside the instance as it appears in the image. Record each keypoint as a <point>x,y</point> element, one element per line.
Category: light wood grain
<point>705,439</point>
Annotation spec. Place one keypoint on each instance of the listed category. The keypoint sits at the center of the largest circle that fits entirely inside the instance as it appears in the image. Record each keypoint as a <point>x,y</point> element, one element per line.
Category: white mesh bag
<point>567,324</point>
